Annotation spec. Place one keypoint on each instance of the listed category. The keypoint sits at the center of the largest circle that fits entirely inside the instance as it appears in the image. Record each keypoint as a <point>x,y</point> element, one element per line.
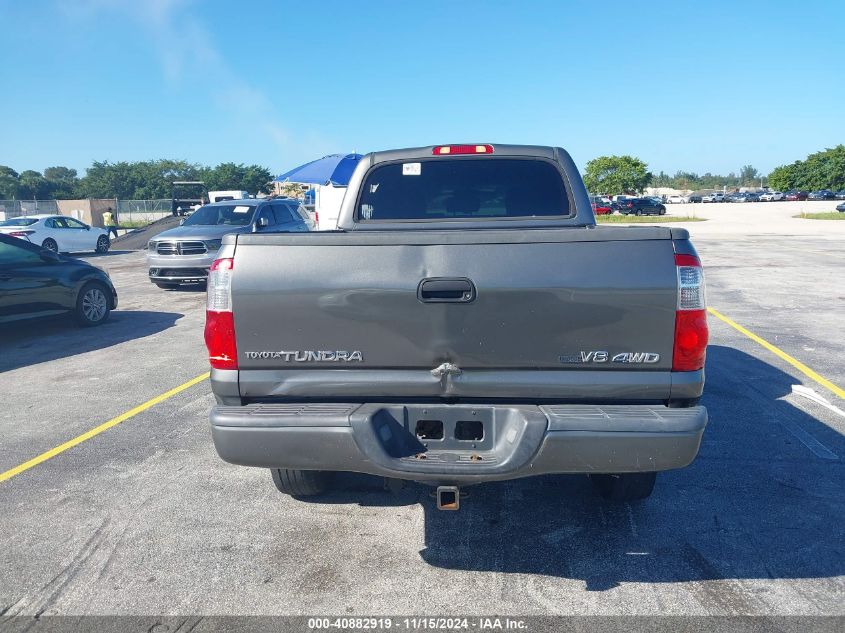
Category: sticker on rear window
<point>411,169</point>
<point>241,209</point>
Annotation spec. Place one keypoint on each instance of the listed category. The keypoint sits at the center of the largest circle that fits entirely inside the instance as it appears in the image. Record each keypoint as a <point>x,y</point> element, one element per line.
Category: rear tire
<point>50,244</point>
<point>93,304</point>
<point>103,244</point>
<point>167,286</point>
<point>301,483</point>
<point>625,486</point>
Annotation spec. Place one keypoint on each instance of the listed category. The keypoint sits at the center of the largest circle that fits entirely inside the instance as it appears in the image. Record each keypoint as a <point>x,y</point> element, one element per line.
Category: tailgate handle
<point>446,290</point>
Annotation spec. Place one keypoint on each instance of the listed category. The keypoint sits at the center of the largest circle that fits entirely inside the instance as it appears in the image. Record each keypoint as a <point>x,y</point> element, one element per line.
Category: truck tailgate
<point>556,312</point>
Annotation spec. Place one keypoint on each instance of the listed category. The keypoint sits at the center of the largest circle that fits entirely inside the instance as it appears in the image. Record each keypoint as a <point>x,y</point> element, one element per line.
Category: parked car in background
<point>620,200</point>
<point>771,196</point>
<point>38,282</point>
<point>752,196</point>
<point>184,254</point>
<point>713,197</point>
<point>695,197</point>
<point>737,196</point>
<point>601,205</point>
<point>676,199</point>
<point>58,233</point>
<point>841,207</point>
<point>793,195</point>
<point>642,206</point>
<point>840,195</point>
<point>821,194</point>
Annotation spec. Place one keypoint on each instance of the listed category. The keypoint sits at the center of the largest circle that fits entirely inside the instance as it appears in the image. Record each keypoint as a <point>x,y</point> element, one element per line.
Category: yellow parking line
<point>61,448</point>
<point>824,382</point>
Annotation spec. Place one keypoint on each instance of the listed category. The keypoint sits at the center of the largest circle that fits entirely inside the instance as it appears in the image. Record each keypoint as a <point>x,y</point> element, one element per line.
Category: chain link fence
<point>137,212</point>
<point>17,208</point>
<point>132,213</point>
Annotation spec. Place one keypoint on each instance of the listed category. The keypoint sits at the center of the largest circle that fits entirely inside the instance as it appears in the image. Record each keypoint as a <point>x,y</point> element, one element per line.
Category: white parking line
<point>806,392</point>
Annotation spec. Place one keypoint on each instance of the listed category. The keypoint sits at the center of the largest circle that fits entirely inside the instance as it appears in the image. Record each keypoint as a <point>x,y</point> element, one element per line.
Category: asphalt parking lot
<point>144,518</point>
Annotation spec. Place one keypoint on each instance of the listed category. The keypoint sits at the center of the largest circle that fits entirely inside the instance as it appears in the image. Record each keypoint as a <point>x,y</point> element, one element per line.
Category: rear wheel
<point>50,244</point>
<point>624,486</point>
<point>103,244</point>
<point>301,483</point>
<point>92,304</point>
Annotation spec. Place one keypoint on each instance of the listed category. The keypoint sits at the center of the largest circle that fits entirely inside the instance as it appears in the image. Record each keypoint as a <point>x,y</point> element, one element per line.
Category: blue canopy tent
<point>335,169</point>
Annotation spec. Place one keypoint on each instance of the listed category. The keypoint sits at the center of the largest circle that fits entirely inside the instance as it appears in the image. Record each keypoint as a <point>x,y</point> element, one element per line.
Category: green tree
<point>783,178</point>
<point>232,176</point>
<point>613,175</point>
<point>822,170</point>
<point>64,181</point>
<point>33,186</point>
<point>8,183</point>
<point>257,179</point>
<point>139,180</point>
<point>749,176</point>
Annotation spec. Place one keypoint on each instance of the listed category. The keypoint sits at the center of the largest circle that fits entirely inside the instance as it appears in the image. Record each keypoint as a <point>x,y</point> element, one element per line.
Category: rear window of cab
<point>463,189</point>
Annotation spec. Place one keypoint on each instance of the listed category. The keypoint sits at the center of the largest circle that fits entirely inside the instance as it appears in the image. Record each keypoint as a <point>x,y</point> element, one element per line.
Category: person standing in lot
<point>109,222</point>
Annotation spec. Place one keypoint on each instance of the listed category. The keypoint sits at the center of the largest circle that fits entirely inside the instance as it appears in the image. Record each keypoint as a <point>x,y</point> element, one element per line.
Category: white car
<point>676,199</point>
<point>771,196</point>
<point>58,233</point>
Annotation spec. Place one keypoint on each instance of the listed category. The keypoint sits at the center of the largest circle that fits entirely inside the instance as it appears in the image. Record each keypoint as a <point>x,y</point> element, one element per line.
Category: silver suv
<point>184,254</point>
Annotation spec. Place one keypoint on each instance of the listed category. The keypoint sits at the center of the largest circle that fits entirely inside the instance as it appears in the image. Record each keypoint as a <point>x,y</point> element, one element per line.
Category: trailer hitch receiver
<point>448,498</point>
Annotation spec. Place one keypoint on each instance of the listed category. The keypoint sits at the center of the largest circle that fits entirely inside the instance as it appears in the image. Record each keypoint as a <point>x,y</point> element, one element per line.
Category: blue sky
<point>683,85</point>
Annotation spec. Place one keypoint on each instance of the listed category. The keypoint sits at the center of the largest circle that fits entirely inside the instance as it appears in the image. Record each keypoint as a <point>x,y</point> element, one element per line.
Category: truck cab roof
<point>466,187</point>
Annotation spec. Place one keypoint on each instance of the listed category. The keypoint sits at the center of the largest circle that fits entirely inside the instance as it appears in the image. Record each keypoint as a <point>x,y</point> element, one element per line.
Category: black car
<point>821,194</point>
<point>641,206</point>
<point>840,195</point>
<point>841,207</point>
<point>752,197</point>
<point>696,197</point>
<point>36,282</point>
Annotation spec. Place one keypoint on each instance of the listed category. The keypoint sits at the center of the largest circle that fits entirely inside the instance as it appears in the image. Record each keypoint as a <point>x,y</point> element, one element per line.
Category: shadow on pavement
<point>87,256</point>
<point>756,503</point>
<point>27,343</point>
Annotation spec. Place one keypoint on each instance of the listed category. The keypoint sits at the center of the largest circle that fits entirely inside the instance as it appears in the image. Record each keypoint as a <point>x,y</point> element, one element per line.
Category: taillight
<point>691,331</point>
<point>21,233</point>
<point>219,321</point>
<point>444,150</point>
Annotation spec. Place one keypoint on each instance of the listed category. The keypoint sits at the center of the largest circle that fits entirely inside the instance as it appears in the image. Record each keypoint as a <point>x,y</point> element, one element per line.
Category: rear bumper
<point>516,441</point>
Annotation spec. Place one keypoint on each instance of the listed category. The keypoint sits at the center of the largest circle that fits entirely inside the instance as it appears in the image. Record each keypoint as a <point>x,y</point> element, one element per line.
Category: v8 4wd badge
<point>601,356</point>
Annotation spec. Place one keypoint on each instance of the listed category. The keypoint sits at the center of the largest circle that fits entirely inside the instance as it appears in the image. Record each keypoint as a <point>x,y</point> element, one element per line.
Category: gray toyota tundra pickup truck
<point>467,322</point>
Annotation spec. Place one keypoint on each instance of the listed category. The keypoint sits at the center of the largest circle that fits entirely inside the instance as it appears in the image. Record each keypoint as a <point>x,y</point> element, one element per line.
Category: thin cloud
<point>185,49</point>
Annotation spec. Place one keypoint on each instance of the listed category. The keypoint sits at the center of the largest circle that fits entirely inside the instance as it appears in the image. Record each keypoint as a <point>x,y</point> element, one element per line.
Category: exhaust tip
<point>448,498</point>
